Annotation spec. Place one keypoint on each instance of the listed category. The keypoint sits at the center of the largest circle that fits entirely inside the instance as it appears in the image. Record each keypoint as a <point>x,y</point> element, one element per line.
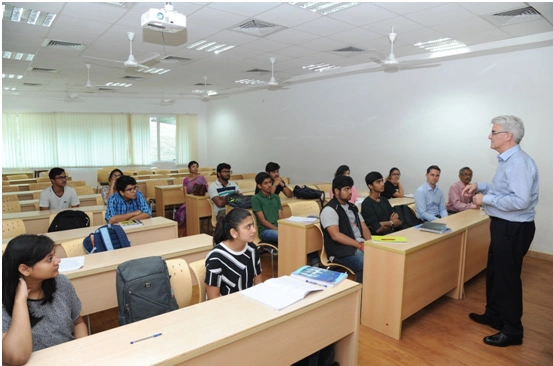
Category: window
<point>163,132</point>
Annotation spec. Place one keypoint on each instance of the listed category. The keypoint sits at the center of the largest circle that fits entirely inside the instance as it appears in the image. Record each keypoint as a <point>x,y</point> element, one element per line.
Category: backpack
<point>143,289</point>
<point>237,200</point>
<point>69,219</point>
<point>407,216</point>
<point>309,193</point>
<point>107,237</point>
<point>323,357</point>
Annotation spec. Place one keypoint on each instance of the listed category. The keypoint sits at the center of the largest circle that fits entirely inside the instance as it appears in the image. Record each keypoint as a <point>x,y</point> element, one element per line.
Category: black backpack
<point>407,216</point>
<point>237,200</point>
<point>309,193</point>
<point>69,219</point>
<point>143,289</point>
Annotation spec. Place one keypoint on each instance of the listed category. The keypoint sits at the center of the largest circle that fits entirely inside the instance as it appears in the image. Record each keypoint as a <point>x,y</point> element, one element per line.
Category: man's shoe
<point>502,340</point>
<point>483,319</point>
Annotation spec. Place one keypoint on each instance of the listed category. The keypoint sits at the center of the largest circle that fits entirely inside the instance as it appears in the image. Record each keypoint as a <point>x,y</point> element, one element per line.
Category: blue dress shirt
<point>430,203</point>
<point>513,193</point>
<point>117,205</point>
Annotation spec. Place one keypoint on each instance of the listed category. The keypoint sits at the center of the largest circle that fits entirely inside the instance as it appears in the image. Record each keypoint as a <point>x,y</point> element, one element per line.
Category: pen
<point>142,339</point>
<point>384,239</point>
<point>315,283</point>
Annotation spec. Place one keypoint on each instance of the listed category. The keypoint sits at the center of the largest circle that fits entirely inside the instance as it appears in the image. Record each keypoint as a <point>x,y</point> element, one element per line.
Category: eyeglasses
<point>61,178</point>
<point>396,174</point>
<point>498,132</point>
<point>133,189</point>
<point>226,171</point>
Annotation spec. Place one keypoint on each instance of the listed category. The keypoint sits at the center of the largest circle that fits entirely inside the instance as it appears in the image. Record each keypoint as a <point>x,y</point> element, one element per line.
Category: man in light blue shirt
<point>429,198</point>
<point>509,200</point>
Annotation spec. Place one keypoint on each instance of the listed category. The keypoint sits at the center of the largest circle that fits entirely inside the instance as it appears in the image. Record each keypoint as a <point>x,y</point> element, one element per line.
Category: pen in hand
<point>143,339</point>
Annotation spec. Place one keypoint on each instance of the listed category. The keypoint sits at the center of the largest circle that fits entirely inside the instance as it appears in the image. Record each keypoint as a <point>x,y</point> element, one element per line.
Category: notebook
<point>434,227</point>
<point>319,276</point>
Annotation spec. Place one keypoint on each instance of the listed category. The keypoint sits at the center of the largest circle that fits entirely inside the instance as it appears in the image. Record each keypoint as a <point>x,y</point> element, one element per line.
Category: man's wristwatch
<point>392,223</point>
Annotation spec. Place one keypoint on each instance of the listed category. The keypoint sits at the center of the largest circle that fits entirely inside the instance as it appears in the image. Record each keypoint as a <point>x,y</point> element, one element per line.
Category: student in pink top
<point>457,202</point>
<point>344,170</point>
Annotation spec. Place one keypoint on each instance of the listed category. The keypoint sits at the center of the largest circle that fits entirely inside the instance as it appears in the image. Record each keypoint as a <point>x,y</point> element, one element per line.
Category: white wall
<point>410,119</point>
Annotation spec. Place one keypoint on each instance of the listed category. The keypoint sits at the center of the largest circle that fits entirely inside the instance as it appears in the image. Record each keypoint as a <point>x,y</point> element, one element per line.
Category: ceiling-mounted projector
<point>163,20</point>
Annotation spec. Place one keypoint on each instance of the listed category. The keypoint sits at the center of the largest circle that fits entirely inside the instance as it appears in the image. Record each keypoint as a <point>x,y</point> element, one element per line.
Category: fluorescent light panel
<point>124,85</point>
<point>206,46</point>
<point>321,67</point>
<point>324,8</point>
<point>12,76</point>
<point>18,56</point>
<point>249,81</point>
<point>440,44</point>
<point>29,16</point>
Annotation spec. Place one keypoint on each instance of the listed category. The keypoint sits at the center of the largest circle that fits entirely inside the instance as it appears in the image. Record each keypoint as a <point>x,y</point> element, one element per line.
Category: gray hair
<point>463,169</point>
<point>511,124</point>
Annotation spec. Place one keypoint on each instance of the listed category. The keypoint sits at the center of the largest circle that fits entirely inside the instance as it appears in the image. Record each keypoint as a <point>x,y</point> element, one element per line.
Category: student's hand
<point>362,247</point>
<point>394,216</point>
<point>21,291</point>
<point>278,181</point>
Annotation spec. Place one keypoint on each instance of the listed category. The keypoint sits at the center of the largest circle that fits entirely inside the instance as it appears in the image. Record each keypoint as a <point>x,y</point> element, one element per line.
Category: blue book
<point>319,276</point>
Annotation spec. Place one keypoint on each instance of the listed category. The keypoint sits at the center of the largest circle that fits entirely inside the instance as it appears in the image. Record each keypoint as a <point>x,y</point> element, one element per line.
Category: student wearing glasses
<point>393,187</point>
<point>58,195</point>
<point>127,203</point>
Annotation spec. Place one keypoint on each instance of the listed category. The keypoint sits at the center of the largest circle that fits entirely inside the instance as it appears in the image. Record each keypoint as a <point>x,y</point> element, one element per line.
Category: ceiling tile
<point>440,14</point>
<point>480,8</point>
<point>288,15</point>
<point>99,12</point>
<point>225,19</point>
<point>491,35</point>
<point>400,24</point>
<point>83,25</point>
<point>363,14</point>
<point>465,26</point>
<point>527,28</point>
<point>265,45</point>
<point>421,35</point>
<point>324,26</point>
<point>354,35</point>
<point>296,51</point>
<point>291,36</point>
<point>247,9</point>
<point>324,44</point>
<point>406,8</point>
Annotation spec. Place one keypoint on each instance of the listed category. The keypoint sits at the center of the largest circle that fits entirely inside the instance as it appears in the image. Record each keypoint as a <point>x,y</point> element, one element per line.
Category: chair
<point>17,176</point>
<point>76,183</point>
<point>36,195</point>
<point>43,179</point>
<point>144,172</point>
<point>304,208</point>
<point>325,187</point>
<point>13,228</point>
<point>12,206</point>
<point>247,185</point>
<point>4,245</point>
<point>10,189</point>
<point>248,175</point>
<point>151,185</point>
<point>328,264</point>
<point>39,186</point>
<point>100,201</point>
<point>9,197</point>
<point>5,182</point>
<point>205,169</point>
<point>74,248</point>
<point>181,281</point>
<point>236,177</point>
<point>83,190</point>
<point>269,247</point>
<point>128,172</point>
<point>182,170</point>
<point>162,172</point>
<point>198,268</point>
<point>210,178</point>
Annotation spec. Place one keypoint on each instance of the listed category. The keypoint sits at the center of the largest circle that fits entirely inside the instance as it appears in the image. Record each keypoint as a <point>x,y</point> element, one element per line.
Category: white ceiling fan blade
<point>104,59</point>
<point>148,57</point>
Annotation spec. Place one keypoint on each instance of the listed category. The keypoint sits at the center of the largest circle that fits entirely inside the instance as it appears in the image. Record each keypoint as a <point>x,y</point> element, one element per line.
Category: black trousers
<point>509,244</point>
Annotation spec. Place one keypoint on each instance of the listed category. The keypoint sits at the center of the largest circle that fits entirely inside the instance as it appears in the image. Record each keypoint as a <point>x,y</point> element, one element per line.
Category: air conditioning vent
<point>137,78</point>
<point>52,43</point>
<point>202,84</point>
<point>38,69</point>
<point>106,89</point>
<point>175,59</point>
<point>258,28</point>
<point>259,71</point>
<point>31,84</point>
<point>349,50</point>
<point>514,16</point>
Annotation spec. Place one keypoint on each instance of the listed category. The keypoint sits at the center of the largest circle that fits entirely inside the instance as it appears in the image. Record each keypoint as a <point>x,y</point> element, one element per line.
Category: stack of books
<point>434,227</point>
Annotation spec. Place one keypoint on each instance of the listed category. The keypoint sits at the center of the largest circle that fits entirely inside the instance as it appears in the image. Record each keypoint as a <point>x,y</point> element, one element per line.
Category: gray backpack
<point>143,289</point>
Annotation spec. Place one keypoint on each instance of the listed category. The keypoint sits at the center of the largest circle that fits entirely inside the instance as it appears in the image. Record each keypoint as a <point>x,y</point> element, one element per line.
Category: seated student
<point>233,264</point>
<point>128,203</point>
<point>108,190</point>
<point>193,179</point>
<point>279,185</point>
<point>344,170</point>
<point>344,229</point>
<point>58,195</point>
<point>376,210</point>
<point>267,207</point>
<point>458,202</point>
<point>40,308</point>
<point>221,188</point>
<point>393,187</point>
<point>429,198</point>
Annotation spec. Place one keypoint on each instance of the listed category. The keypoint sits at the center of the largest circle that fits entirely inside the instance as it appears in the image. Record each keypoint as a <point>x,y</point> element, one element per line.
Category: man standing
<point>279,185</point>
<point>127,203</point>
<point>267,209</point>
<point>221,188</point>
<point>457,201</point>
<point>376,210</point>
<point>509,200</point>
<point>58,195</point>
<point>344,229</point>
<point>429,198</point>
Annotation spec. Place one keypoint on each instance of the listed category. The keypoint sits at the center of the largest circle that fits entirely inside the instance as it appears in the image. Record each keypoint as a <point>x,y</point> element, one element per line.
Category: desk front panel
<point>476,255</point>
<point>168,195</point>
<point>196,208</point>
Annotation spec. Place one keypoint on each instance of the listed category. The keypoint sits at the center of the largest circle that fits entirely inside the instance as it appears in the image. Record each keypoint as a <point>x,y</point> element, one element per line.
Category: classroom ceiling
<point>302,38</point>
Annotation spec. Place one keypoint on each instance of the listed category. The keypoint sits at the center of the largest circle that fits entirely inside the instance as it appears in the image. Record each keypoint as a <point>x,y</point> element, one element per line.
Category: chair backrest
<point>9,197</point>
<point>181,281</point>
<point>13,228</point>
<point>325,187</point>
<point>43,179</point>
<point>76,183</point>
<point>213,217</point>
<point>144,172</point>
<point>182,170</point>
<point>129,172</point>
<point>236,177</point>
<point>304,208</point>
<point>36,195</point>
<point>210,178</point>
<point>5,182</point>
<point>162,171</point>
<point>10,188</point>
<point>205,169</point>
<point>99,201</point>
<point>39,186</point>
<point>82,190</point>
<point>151,185</point>
<point>4,245</point>
<point>247,185</point>
<point>17,176</point>
<point>198,268</point>
<point>248,175</point>
<point>11,206</point>
<point>103,175</point>
<point>73,248</point>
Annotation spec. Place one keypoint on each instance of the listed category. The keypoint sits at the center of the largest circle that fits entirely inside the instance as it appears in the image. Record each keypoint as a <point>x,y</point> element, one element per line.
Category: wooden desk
<point>153,230</point>
<point>22,181</point>
<point>295,241</point>
<point>205,334</point>
<point>168,195</point>
<point>5,173</point>
<point>86,200</point>
<point>401,279</point>
<point>142,187</point>
<point>23,195</point>
<point>37,222</point>
<point>196,208</point>
<point>95,281</point>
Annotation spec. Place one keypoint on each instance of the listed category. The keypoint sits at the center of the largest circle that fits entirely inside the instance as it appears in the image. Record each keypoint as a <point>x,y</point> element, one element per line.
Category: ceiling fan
<point>88,83</point>
<point>131,60</point>
<point>165,102</point>
<point>273,83</point>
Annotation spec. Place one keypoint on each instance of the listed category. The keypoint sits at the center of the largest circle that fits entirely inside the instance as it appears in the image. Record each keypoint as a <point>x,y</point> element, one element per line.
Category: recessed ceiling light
<point>12,76</point>
<point>123,85</point>
<point>153,70</point>
<point>18,56</point>
<point>208,92</point>
<point>29,16</point>
<point>206,46</point>
<point>321,67</point>
<point>249,81</point>
<point>324,8</point>
<point>440,44</point>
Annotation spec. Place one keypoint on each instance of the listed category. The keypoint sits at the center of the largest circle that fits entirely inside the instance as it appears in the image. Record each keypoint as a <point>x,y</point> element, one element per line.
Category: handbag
<point>199,189</point>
